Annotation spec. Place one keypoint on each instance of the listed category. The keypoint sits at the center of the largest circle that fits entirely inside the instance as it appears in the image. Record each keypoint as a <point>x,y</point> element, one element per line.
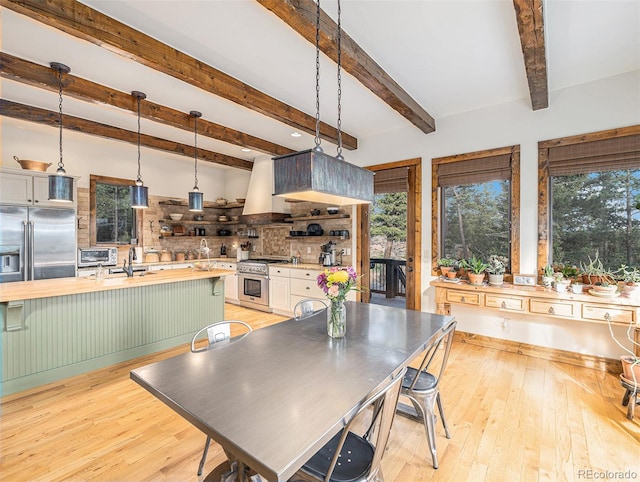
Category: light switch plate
<point>524,279</point>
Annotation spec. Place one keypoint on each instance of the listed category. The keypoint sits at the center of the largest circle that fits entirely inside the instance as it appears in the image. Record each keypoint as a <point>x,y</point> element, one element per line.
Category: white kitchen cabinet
<point>28,189</point>
<point>230,282</point>
<point>279,290</point>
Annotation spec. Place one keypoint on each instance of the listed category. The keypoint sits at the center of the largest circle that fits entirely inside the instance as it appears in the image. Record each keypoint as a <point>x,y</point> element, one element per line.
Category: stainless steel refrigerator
<point>36,243</point>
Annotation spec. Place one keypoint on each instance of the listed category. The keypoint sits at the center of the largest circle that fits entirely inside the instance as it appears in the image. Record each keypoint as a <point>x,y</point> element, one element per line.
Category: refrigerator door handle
<point>25,251</point>
<point>32,270</point>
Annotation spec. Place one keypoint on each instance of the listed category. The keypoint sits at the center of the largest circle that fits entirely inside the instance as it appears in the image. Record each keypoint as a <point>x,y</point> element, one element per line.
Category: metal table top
<point>274,397</point>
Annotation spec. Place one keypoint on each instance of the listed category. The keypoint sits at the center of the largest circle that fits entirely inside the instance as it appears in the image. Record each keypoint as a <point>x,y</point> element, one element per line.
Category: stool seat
<point>630,398</point>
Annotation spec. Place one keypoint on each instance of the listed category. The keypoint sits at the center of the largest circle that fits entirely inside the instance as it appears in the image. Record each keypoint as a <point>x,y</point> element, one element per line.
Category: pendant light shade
<point>139,193</point>
<point>312,175</point>
<point>60,185</point>
<point>196,201</point>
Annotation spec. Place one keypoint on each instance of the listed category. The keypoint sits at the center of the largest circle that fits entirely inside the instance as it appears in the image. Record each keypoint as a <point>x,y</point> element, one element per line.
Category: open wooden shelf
<point>319,216</point>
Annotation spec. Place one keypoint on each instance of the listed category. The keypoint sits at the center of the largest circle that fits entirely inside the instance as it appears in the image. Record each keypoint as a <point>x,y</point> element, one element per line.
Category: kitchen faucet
<point>129,269</point>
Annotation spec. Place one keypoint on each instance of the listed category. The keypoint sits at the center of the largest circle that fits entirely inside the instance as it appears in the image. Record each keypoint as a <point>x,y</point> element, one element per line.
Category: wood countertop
<point>27,290</point>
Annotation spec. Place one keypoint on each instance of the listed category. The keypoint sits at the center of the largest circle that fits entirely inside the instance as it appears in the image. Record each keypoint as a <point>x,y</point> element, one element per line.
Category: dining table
<point>274,397</point>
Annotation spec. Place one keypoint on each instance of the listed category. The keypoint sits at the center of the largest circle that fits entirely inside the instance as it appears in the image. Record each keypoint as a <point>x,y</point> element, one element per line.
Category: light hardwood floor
<point>511,417</point>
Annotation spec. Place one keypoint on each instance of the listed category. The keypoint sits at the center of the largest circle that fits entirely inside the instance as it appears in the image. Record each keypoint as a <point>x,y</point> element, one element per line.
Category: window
<point>113,221</point>
<point>476,196</point>
<point>590,199</point>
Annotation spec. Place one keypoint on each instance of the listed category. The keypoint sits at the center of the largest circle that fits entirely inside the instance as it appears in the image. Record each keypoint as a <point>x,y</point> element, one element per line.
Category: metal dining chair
<point>216,333</point>
<point>352,457</point>
<point>308,307</point>
<point>420,386</point>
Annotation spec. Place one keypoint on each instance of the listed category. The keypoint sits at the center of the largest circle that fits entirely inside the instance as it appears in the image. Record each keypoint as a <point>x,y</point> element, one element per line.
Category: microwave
<point>97,256</point>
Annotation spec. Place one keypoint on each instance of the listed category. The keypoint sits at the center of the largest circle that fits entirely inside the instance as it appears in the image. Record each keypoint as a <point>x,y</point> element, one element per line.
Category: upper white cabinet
<point>28,189</point>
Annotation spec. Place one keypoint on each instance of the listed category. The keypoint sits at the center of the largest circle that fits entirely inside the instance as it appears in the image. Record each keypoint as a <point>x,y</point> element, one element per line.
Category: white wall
<point>600,105</point>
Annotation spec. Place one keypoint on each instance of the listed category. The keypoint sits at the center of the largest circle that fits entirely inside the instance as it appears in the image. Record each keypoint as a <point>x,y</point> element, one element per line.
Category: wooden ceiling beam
<point>81,21</point>
<point>50,118</point>
<point>44,77</point>
<point>531,29</point>
<point>300,15</point>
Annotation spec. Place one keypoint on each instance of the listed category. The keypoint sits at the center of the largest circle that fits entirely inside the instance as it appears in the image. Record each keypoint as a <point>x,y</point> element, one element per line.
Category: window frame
<point>436,202</point>
<point>544,182</point>
<point>93,230</point>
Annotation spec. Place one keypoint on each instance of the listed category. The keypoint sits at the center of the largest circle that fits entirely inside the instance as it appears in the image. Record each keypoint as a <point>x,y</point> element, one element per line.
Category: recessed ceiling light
<point>296,134</point>
<point>246,149</point>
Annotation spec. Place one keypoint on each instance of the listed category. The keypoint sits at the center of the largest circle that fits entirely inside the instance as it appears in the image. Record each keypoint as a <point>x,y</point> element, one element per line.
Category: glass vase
<point>336,319</point>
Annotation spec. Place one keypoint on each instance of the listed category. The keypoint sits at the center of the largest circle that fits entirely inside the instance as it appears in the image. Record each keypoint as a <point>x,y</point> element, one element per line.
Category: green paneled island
<point>57,328</point>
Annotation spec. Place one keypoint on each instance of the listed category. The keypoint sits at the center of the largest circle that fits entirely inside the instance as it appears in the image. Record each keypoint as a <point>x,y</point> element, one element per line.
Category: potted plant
<point>496,267</point>
<point>463,267</point>
<point>631,368</point>
<point>561,282</point>
<point>477,269</point>
<point>445,265</point>
<point>547,276</point>
<point>594,272</point>
<point>630,278</point>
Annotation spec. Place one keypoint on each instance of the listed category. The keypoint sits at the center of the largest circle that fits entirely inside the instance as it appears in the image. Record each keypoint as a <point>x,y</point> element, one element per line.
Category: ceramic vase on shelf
<point>336,319</point>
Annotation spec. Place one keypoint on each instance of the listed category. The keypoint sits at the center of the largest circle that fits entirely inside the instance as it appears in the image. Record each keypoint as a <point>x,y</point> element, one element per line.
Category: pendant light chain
<point>195,115</point>
<point>60,163</point>
<point>139,180</point>
<point>317,138</point>
<point>339,156</point>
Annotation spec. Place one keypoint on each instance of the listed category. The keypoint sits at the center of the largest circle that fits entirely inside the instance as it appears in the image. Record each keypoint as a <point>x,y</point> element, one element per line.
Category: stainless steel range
<point>253,283</point>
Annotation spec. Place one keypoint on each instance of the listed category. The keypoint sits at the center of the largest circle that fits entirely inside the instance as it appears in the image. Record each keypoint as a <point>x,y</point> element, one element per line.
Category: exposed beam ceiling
<point>531,29</point>
<point>37,75</point>
<point>78,20</point>
<point>50,118</point>
<point>301,16</point>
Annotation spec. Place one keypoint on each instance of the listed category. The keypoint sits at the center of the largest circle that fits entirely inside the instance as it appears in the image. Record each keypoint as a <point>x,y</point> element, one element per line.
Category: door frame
<point>414,233</point>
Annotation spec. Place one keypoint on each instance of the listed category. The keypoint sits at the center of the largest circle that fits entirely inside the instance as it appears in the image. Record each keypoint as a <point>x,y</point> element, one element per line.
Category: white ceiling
<point>451,56</point>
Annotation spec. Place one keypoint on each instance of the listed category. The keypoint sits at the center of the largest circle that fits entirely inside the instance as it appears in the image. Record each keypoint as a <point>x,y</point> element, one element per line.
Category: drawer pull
<point>503,305</point>
<point>462,300</point>
<point>607,317</point>
<point>551,312</point>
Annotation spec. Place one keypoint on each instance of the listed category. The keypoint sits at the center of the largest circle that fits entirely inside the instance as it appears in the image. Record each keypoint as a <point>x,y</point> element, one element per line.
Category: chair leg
<point>428,419</point>
<point>444,421</point>
<point>204,455</point>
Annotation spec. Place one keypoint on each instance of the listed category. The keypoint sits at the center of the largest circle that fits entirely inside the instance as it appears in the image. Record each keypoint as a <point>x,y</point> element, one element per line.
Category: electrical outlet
<point>308,249</point>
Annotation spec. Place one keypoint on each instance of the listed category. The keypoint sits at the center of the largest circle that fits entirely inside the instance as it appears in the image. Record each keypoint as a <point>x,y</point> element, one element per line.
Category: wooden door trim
<point>414,224</point>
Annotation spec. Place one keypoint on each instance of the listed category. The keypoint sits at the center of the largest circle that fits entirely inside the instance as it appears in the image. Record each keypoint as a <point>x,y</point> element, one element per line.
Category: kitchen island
<point>57,328</point>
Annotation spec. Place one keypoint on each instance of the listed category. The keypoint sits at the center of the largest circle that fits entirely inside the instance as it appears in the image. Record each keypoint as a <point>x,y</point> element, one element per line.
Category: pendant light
<point>195,197</point>
<point>139,192</point>
<point>312,175</point>
<point>60,185</point>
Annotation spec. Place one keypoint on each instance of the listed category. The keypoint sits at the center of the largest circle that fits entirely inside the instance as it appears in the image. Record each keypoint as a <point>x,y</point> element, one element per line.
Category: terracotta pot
<point>452,274</point>
<point>445,269</point>
<point>628,367</point>
<point>475,279</point>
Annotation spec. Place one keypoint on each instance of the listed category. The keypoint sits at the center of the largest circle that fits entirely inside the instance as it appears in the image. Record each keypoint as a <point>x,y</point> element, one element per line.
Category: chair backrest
<point>308,307</point>
<point>217,332</point>
<point>445,336</point>
<point>384,402</point>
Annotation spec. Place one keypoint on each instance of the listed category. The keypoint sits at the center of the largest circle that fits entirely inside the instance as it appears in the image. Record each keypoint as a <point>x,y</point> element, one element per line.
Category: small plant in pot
<point>631,368</point>
<point>547,276</point>
<point>477,269</point>
<point>594,272</point>
<point>463,267</point>
<point>496,267</point>
<point>630,278</point>
<point>446,265</point>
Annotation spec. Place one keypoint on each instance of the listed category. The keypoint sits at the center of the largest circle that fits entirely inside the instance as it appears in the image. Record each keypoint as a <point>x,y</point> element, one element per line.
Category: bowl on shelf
<point>32,165</point>
<point>221,201</point>
<point>223,219</point>
<point>240,200</point>
<point>198,217</point>
<point>175,216</point>
<point>333,210</point>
